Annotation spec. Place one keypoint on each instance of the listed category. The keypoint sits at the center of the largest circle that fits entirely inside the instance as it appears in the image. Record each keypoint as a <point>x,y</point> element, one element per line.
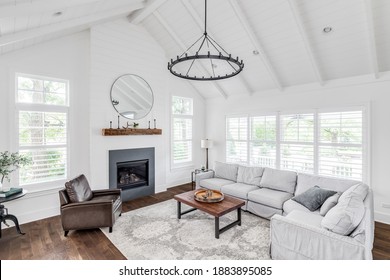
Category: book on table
<point>11,191</point>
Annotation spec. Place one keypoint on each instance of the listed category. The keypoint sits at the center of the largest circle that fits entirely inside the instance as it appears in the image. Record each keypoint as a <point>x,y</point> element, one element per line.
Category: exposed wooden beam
<point>200,24</point>
<point>256,43</point>
<point>372,38</point>
<point>41,6</point>
<point>184,48</point>
<point>306,41</point>
<point>78,24</point>
<point>151,6</point>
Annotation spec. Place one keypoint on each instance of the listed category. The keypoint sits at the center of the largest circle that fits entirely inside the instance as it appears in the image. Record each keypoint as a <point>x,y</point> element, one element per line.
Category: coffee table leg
<point>179,210</point>
<point>239,216</point>
<point>217,227</point>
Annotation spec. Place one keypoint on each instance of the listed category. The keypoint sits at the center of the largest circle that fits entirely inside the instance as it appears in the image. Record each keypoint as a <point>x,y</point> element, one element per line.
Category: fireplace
<point>132,174</point>
<point>132,171</point>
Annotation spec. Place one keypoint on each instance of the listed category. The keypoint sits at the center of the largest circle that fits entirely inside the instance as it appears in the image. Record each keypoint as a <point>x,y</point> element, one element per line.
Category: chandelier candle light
<point>217,63</point>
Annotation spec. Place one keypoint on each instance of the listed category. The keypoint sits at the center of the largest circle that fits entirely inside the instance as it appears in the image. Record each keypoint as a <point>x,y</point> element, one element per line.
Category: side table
<point>4,211</point>
<point>194,173</point>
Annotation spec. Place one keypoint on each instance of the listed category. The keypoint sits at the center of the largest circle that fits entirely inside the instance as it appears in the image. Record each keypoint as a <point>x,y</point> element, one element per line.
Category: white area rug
<point>155,233</point>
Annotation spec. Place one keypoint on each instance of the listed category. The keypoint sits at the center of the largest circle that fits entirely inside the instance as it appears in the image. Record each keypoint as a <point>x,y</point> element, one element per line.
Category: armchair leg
<point>66,233</point>
<point>110,229</point>
<point>120,214</point>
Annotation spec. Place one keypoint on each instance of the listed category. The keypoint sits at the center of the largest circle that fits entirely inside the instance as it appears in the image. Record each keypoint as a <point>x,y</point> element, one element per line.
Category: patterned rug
<point>155,233</point>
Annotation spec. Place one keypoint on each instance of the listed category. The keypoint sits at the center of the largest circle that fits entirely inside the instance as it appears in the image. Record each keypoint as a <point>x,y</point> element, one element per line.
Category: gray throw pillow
<point>313,198</point>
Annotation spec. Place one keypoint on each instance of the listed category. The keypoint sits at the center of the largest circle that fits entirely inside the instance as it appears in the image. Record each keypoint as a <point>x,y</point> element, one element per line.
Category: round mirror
<point>131,96</point>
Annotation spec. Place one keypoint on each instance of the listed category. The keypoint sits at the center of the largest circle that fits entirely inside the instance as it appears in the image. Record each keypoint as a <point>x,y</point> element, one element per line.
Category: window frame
<point>365,145</point>
<point>45,108</point>
<point>174,116</point>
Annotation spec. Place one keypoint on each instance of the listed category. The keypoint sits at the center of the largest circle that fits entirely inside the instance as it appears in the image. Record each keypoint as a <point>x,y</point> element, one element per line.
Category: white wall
<point>65,58</point>
<point>119,48</point>
<point>376,94</point>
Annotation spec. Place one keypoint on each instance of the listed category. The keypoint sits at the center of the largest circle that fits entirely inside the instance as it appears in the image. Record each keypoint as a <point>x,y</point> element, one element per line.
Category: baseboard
<point>382,217</point>
<point>37,215</point>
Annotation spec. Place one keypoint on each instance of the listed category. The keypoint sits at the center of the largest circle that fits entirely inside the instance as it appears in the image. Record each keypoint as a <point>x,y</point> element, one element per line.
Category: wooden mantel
<point>131,131</point>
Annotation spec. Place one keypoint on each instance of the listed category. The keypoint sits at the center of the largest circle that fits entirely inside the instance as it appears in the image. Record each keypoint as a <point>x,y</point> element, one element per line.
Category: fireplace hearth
<point>132,171</point>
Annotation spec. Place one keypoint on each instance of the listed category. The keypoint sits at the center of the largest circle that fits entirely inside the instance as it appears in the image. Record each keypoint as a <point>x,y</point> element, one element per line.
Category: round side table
<point>4,211</point>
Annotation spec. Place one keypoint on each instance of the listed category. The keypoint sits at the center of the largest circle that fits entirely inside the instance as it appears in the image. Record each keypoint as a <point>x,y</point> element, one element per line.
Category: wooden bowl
<point>214,196</point>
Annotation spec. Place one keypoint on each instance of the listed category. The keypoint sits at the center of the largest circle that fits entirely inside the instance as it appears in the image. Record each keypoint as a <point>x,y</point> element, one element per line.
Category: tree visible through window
<point>42,128</point>
<point>182,113</point>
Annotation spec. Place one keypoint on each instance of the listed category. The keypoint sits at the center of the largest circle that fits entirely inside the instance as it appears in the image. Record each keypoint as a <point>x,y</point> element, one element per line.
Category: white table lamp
<point>206,144</point>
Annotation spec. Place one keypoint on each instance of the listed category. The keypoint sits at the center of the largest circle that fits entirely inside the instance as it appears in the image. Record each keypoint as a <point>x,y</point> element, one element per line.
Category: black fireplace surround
<point>132,171</point>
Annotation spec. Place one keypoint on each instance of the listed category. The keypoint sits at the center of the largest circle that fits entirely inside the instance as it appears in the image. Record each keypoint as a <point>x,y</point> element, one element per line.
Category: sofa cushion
<point>249,175</point>
<point>313,198</point>
<point>306,181</point>
<point>272,198</point>
<point>281,180</point>
<point>239,190</point>
<point>291,205</point>
<point>360,190</point>
<point>329,204</point>
<point>214,183</point>
<point>226,171</point>
<point>345,216</point>
<point>78,189</point>
<point>305,217</point>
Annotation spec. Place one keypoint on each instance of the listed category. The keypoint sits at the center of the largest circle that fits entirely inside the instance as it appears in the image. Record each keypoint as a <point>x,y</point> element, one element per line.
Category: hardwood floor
<point>44,239</point>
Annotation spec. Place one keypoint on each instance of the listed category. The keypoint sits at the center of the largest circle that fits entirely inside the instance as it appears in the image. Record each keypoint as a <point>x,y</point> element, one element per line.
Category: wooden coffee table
<point>216,209</point>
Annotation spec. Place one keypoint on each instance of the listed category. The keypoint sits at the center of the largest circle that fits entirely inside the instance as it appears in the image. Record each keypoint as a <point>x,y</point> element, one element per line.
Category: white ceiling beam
<point>42,6</point>
<point>151,6</point>
<point>372,38</point>
<point>184,48</point>
<point>306,41</point>
<point>200,24</point>
<point>78,24</point>
<point>256,43</point>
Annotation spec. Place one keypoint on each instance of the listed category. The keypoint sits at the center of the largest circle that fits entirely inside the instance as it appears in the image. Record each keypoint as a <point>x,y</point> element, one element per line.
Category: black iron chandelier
<point>205,60</point>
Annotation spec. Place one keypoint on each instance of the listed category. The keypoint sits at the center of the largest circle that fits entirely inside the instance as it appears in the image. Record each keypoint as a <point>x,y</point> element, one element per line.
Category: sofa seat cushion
<point>239,190</point>
<point>269,197</point>
<point>345,216</point>
<point>250,175</point>
<point>215,183</point>
<point>308,218</point>
<point>306,181</point>
<point>226,171</point>
<point>314,197</point>
<point>291,205</point>
<point>281,180</point>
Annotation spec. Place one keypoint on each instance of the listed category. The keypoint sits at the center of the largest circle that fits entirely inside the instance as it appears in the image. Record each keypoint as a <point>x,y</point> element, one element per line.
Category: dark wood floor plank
<point>45,239</point>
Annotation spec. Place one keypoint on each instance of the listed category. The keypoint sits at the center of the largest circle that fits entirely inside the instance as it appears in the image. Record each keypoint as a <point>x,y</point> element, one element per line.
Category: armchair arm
<point>203,175</point>
<point>106,192</point>
<point>295,240</point>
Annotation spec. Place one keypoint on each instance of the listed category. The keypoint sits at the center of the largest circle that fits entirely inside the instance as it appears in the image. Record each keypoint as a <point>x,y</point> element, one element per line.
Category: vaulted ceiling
<point>282,42</point>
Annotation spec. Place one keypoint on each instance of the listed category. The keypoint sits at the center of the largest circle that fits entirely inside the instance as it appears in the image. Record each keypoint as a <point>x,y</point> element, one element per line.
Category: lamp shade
<point>206,143</point>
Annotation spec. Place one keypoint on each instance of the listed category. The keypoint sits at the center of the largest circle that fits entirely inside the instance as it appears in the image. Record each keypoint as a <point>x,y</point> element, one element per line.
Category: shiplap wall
<point>119,48</point>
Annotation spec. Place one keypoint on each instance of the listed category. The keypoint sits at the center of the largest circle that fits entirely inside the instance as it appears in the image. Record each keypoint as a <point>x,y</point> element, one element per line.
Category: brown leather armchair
<point>82,208</point>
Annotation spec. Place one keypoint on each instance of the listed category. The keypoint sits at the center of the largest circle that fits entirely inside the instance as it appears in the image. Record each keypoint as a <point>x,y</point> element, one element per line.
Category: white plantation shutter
<point>341,144</point>
<point>297,142</point>
<point>182,130</point>
<point>237,139</point>
<point>262,145</point>
<point>42,128</point>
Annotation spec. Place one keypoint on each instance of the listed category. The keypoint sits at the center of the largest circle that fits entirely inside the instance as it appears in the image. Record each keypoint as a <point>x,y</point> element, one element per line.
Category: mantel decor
<point>212,61</point>
<point>131,131</point>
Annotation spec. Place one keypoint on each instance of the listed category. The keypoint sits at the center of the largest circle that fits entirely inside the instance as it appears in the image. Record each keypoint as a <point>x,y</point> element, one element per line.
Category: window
<point>297,142</point>
<point>182,113</point>
<point>327,143</point>
<point>42,114</point>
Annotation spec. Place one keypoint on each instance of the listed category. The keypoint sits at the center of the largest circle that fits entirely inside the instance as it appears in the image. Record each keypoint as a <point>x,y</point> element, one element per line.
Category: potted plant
<point>9,162</point>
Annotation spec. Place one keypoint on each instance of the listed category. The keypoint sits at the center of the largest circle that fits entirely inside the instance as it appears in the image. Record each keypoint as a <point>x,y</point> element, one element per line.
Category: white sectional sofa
<point>342,228</point>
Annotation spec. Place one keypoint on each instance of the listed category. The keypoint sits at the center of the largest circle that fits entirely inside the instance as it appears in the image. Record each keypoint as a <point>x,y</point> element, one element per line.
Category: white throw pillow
<point>226,170</point>
<point>345,216</point>
<point>360,190</point>
<point>249,175</point>
<point>329,204</point>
